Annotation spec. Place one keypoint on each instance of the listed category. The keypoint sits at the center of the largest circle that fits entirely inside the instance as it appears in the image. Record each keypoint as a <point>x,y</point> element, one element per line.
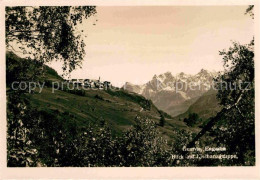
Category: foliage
<point>235,129</point>
<point>21,123</point>
<point>46,33</point>
<point>162,121</point>
<point>142,146</point>
<point>52,138</point>
<point>192,119</point>
<point>18,69</point>
<point>51,72</point>
<point>99,97</point>
<point>181,139</point>
<point>250,11</point>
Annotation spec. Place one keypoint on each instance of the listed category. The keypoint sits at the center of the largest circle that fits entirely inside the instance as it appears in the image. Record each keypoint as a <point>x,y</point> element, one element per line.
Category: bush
<point>143,146</point>
<point>162,121</point>
<point>192,120</point>
<point>79,92</point>
<point>99,97</point>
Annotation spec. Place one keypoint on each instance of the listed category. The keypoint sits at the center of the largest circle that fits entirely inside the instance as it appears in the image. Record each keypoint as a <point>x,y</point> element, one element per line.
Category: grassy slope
<point>118,112</point>
<point>118,108</point>
<point>206,106</point>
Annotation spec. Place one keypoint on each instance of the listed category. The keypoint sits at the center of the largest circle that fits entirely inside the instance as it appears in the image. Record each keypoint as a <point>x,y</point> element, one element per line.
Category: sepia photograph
<point>129,86</point>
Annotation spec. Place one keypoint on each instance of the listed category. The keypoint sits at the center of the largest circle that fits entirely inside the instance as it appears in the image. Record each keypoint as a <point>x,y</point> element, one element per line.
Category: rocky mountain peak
<point>165,92</point>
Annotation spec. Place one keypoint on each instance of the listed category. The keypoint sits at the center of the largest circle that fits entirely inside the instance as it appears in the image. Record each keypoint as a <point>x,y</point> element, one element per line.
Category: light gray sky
<point>134,43</point>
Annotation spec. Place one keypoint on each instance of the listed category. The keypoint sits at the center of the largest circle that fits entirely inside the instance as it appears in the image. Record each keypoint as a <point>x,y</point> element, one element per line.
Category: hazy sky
<point>134,43</point>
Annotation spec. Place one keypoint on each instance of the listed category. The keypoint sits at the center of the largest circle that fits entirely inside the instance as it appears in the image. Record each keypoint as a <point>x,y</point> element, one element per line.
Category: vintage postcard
<point>129,89</point>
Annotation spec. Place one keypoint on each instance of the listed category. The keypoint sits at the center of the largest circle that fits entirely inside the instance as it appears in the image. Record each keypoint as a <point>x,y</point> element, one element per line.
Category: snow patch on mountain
<point>167,90</point>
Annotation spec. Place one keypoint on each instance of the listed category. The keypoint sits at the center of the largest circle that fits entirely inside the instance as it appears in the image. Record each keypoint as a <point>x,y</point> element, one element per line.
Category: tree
<point>234,125</point>
<point>235,129</point>
<point>192,119</point>
<point>19,69</point>
<point>21,121</point>
<point>162,120</point>
<point>43,34</point>
<point>48,33</point>
<point>143,146</point>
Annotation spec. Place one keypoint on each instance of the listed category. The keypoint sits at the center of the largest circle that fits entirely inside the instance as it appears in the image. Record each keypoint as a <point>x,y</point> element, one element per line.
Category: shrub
<point>192,120</point>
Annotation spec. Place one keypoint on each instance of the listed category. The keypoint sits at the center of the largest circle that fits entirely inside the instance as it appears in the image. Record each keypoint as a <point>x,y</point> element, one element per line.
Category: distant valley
<point>180,94</point>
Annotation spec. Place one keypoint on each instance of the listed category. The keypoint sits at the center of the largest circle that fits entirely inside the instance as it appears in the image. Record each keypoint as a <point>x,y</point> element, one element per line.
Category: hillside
<point>205,106</point>
<point>118,108</point>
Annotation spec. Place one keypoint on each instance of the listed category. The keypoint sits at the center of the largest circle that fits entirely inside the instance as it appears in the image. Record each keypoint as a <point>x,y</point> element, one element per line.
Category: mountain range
<point>175,94</point>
